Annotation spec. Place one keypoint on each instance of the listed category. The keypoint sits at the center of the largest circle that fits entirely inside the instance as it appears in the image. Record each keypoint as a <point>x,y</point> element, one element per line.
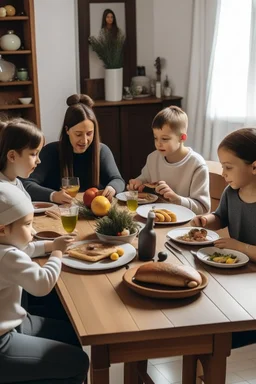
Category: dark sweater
<point>47,176</point>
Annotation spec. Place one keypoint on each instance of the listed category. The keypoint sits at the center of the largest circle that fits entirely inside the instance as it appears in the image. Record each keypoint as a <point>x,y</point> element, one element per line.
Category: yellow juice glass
<point>132,200</point>
<point>69,217</point>
<point>71,185</point>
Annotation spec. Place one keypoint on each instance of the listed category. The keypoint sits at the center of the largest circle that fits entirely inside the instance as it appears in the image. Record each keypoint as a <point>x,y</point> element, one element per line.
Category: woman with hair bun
<point>77,153</point>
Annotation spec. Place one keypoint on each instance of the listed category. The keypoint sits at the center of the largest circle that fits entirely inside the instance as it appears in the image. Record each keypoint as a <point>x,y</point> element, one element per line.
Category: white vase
<point>113,84</point>
<point>7,70</point>
<point>10,41</point>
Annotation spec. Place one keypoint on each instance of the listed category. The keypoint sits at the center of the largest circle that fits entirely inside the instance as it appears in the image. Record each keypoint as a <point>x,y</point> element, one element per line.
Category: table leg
<point>136,373</point>
<point>99,369</point>
<point>214,365</point>
<point>189,369</point>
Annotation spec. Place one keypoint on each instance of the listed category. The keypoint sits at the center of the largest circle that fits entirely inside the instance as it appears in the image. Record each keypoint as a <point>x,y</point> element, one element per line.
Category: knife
<point>175,246</point>
<point>169,247</point>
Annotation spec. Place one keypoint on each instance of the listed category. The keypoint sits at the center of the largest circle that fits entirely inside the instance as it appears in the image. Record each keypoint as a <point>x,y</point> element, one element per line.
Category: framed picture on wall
<point>90,18</point>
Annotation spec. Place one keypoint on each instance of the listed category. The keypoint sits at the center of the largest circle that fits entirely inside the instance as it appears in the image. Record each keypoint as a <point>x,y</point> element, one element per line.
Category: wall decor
<point>126,21</point>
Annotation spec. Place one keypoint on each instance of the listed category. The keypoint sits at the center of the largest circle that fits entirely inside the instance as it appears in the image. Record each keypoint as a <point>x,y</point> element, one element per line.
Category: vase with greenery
<point>110,50</point>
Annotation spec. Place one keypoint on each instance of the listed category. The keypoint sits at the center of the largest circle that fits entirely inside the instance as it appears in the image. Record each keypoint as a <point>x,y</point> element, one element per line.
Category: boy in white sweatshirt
<point>32,349</point>
<point>180,174</point>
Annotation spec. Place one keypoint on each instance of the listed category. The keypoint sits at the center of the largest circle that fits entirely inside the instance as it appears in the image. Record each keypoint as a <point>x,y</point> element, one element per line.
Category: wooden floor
<point>241,368</point>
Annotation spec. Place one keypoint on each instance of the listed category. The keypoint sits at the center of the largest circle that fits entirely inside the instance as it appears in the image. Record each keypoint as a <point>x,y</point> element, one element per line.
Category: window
<point>231,61</point>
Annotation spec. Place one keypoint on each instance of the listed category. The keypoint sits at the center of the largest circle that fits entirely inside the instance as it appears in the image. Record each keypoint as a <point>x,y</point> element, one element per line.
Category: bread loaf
<point>168,274</point>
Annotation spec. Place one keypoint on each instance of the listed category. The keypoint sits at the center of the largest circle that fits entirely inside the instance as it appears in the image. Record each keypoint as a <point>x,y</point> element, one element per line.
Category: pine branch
<point>116,221</point>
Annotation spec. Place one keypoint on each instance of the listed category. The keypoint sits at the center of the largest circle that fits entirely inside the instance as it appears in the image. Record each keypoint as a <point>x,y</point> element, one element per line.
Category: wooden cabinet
<point>125,126</point>
<point>23,25</point>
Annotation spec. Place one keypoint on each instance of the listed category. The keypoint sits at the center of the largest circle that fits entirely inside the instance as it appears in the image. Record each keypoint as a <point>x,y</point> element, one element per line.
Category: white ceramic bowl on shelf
<point>25,100</point>
<point>117,239</point>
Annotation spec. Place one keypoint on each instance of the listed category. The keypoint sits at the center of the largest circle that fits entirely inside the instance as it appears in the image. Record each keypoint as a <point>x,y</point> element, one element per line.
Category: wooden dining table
<point>122,326</point>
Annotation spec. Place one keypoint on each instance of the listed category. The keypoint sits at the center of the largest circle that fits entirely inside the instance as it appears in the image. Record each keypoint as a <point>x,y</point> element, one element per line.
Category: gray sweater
<point>238,216</point>
<point>46,178</point>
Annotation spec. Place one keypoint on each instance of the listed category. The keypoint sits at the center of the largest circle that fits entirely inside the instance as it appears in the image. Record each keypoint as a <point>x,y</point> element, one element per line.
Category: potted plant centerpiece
<point>110,50</point>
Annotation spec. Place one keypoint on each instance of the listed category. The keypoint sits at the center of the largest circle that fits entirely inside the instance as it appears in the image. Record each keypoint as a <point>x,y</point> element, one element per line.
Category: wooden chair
<point>217,183</point>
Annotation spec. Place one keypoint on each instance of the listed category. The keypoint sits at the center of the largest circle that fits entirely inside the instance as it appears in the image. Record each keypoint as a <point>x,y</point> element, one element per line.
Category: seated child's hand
<point>227,242</point>
<point>135,184</point>
<point>164,190</point>
<point>61,197</point>
<point>61,243</point>
<point>199,221</point>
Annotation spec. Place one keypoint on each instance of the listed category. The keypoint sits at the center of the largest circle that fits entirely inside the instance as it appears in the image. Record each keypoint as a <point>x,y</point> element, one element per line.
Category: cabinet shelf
<point>14,18</point>
<point>12,91</point>
<point>21,52</point>
<point>15,106</point>
<point>13,83</point>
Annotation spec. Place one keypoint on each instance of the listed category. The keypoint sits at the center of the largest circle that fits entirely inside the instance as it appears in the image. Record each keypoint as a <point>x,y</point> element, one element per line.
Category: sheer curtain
<point>205,21</point>
<point>230,82</point>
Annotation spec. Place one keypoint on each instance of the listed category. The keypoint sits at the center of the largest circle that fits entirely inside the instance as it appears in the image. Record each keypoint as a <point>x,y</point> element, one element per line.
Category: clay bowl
<point>47,235</point>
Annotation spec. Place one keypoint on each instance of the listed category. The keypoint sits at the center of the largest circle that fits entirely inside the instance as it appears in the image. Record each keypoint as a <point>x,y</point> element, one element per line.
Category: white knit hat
<point>14,204</point>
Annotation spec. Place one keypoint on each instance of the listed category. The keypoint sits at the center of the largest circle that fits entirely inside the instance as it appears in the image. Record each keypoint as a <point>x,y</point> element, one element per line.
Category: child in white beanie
<point>32,348</point>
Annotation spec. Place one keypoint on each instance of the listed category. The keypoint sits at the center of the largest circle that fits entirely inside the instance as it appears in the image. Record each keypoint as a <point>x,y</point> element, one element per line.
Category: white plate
<point>204,253</point>
<point>122,197</point>
<point>175,233</point>
<point>183,214</point>
<point>129,254</point>
<point>44,207</point>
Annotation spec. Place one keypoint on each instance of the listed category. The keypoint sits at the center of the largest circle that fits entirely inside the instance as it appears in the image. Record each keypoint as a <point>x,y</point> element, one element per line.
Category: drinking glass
<point>71,185</point>
<point>69,216</point>
<point>132,200</point>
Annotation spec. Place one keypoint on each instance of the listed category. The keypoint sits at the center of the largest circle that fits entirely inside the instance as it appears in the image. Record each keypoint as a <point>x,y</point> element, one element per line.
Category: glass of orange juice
<point>69,216</point>
<point>71,185</point>
<point>132,200</point>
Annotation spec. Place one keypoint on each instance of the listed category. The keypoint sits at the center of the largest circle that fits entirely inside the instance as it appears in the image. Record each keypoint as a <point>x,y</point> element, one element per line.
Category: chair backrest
<point>217,182</point>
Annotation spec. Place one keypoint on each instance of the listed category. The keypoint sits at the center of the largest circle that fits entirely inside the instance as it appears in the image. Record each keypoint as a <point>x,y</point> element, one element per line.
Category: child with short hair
<point>237,208</point>
<point>32,349</point>
<point>20,144</point>
<point>180,173</point>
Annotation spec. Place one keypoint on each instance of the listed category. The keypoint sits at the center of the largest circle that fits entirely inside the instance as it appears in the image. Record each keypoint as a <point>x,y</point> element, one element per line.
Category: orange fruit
<point>114,256</point>
<point>89,195</point>
<point>100,206</point>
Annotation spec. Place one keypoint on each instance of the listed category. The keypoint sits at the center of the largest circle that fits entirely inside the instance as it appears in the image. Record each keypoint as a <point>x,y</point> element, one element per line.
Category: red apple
<point>89,195</point>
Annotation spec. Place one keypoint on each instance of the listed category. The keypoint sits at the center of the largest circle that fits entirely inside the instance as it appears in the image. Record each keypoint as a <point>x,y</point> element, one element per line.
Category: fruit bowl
<point>117,239</point>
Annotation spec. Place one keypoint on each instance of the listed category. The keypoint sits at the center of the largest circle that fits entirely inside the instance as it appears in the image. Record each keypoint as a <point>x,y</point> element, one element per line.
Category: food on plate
<point>164,216</point>
<point>151,185</point>
<point>114,256</point>
<point>145,197</point>
<point>195,234</point>
<point>93,251</point>
<point>120,251</point>
<point>218,257</point>
<point>168,274</point>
